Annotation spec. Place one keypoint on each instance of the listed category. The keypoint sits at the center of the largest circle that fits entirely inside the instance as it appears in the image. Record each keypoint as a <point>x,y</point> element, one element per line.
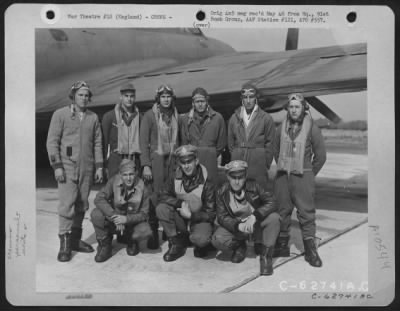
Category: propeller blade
<point>292,39</point>
<point>323,109</point>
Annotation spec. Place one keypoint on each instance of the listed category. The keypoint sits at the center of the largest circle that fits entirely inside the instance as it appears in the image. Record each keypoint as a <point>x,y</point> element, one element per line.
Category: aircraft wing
<point>317,71</point>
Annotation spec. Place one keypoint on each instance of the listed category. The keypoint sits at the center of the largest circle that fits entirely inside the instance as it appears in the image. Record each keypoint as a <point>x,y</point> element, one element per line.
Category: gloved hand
<point>241,227</point>
<point>147,174</point>
<point>59,174</point>
<point>98,178</point>
<point>119,219</point>
<point>120,228</point>
<point>249,224</point>
<point>184,210</point>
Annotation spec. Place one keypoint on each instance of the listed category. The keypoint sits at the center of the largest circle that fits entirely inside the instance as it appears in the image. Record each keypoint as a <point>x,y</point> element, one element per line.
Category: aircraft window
<point>58,35</point>
<point>173,73</point>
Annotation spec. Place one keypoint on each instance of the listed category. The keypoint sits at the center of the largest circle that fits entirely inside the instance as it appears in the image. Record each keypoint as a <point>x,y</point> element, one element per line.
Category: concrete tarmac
<point>342,215</point>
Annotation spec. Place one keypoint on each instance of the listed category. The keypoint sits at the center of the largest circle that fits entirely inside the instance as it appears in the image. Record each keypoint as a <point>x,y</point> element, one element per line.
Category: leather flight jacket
<point>207,212</point>
<point>262,201</point>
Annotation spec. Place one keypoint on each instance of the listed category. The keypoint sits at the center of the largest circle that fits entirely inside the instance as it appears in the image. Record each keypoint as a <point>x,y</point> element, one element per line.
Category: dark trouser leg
<point>113,163</point>
<point>176,230</point>
<point>102,227</point>
<point>137,232</point>
<point>141,231</point>
<point>266,232</point>
<point>257,168</point>
<point>81,205</point>
<point>282,190</point>
<point>266,267</point>
<point>104,230</point>
<point>225,240</point>
<point>159,164</point>
<point>200,236</point>
<point>303,197</point>
<point>153,242</point>
<point>171,221</point>
<point>269,229</point>
<point>67,194</point>
<point>304,191</point>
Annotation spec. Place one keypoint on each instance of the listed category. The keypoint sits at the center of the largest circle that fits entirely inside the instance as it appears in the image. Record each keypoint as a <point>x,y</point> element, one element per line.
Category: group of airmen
<point>161,168</point>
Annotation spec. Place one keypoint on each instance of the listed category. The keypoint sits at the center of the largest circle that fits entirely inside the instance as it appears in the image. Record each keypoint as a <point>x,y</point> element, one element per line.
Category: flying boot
<point>77,244</point>
<point>282,247</point>
<point>311,254</point>
<point>104,250</point>
<point>266,260</point>
<point>239,251</point>
<point>64,254</point>
<point>176,247</point>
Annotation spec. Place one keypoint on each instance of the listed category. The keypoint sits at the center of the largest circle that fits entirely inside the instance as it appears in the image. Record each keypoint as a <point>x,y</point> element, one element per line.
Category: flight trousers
<point>296,191</point>
<point>173,223</point>
<point>73,202</point>
<point>104,227</point>
<point>265,232</point>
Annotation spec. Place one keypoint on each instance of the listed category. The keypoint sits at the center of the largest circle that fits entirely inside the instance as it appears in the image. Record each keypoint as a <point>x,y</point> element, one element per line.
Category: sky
<point>349,106</point>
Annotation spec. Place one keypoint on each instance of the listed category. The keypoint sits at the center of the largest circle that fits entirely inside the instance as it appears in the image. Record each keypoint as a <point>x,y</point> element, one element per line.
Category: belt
<point>250,145</point>
<point>126,156</point>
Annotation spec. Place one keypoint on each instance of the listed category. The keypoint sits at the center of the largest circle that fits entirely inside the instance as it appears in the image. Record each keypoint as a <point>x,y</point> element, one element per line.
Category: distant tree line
<point>360,125</point>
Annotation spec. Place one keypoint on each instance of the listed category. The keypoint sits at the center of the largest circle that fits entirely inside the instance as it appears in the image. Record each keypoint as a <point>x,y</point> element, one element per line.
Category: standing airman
<point>158,141</point>
<point>250,135</point>
<point>299,151</point>
<point>204,128</point>
<point>74,146</point>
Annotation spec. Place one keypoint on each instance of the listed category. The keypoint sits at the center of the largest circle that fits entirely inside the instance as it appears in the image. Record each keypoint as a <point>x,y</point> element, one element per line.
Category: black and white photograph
<point>201,160</point>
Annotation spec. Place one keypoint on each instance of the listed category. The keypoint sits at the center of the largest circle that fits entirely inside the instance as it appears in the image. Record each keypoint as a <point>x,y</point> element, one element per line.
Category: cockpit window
<point>58,35</point>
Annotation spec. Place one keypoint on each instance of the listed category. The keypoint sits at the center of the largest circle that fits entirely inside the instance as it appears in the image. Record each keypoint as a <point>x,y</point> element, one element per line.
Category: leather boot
<point>200,252</point>
<point>282,247</point>
<point>122,238</point>
<point>64,254</point>
<point>132,248</point>
<point>266,261</point>
<point>164,236</point>
<point>176,248</point>
<point>311,254</point>
<point>153,242</point>
<point>104,250</point>
<point>239,253</point>
<point>258,248</point>
<point>77,244</point>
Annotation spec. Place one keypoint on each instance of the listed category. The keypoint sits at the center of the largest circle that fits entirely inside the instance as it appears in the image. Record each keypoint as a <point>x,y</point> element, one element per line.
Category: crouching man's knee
<point>163,211</point>
<point>141,231</point>
<point>273,220</point>
<point>97,217</point>
<point>221,243</point>
<point>199,240</point>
